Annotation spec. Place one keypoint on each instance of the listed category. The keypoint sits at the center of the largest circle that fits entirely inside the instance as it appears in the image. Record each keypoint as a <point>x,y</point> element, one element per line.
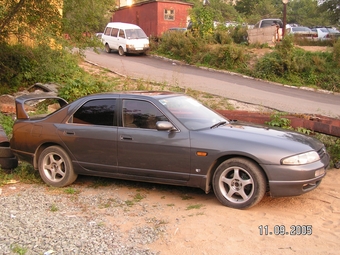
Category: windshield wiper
<point>218,124</point>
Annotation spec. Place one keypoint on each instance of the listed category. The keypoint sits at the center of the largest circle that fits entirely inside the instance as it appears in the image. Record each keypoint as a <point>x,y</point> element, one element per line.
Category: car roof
<point>122,25</point>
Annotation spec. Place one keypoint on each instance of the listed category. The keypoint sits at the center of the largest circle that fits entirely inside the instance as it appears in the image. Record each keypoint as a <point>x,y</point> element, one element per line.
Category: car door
<point>91,135</point>
<point>144,151</point>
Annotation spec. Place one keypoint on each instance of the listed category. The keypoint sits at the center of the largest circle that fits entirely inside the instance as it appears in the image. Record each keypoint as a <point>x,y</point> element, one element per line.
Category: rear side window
<point>114,32</point>
<point>96,112</point>
<point>107,31</point>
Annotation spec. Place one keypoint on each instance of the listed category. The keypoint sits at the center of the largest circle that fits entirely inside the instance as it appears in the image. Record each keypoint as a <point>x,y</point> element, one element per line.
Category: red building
<point>155,16</point>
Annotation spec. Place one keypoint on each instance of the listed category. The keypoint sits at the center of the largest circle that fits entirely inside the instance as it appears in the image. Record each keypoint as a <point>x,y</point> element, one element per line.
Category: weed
<point>170,205</point>
<point>18,249</point>
<point>54,208</point>
<point>276,120</point>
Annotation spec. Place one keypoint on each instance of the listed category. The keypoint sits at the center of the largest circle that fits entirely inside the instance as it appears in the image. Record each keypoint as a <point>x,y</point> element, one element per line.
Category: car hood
<point>259,141</point>
<point>277,134</point>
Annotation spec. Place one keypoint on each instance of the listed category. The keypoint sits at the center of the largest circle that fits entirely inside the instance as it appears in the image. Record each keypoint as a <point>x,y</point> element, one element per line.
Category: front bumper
<point>293,188</point>
<point>137,51</point>
<point>295,180</point>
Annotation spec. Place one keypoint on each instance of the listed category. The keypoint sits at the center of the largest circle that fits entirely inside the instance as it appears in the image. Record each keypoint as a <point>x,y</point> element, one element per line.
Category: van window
<point>121,33</point>
<point>107,31</point>
<point>114,32</point>
<point>135,34</point>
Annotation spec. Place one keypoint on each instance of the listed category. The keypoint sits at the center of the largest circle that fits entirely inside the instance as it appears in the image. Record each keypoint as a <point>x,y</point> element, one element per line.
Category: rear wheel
<point>107,48</point>
<point>121,51</point>
<point>55,167</point>
<point>239,183</point>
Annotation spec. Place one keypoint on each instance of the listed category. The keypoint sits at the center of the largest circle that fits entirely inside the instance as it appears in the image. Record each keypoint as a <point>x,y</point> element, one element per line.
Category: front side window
<point>135,34</point>
<point>121,33</point>
<point>96,112</point>
<point>169,14</point>
<point>141,114</point>
<point>191,113</point>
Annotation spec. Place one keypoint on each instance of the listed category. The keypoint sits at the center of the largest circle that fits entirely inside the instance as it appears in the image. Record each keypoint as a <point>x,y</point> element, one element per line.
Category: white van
<point>125,38</point>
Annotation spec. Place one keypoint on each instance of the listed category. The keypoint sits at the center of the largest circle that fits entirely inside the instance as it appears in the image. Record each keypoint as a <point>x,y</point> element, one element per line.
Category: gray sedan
<point>167,138</point>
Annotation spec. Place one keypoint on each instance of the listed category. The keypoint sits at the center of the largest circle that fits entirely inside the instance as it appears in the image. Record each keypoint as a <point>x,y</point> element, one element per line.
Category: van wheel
<point>107,48</point>
<point>121,51</point>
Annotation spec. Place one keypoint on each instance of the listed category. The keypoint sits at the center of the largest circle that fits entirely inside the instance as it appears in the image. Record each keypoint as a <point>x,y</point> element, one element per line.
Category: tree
<point>82,16</point>
<point>332,7</point>
<point>31,19</point>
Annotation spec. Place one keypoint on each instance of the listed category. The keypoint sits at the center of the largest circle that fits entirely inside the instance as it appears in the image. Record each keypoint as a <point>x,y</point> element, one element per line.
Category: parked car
<point>326,33</point>
<point>302,32</point>
<point>166,138</point>
<point>269,22</point>
<point>125,38</point>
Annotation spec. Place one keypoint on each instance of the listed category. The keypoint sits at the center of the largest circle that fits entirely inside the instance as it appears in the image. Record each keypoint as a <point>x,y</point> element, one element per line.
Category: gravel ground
<point>39,220</point>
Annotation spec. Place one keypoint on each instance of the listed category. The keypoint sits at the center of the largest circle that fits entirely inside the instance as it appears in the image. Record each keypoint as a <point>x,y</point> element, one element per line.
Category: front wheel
<point>239,183</point>
<point>107,48</point>
<point>55,167</point>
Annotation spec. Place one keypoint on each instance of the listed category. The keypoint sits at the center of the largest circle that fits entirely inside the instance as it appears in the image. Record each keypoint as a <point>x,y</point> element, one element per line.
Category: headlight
<point>301,159</point>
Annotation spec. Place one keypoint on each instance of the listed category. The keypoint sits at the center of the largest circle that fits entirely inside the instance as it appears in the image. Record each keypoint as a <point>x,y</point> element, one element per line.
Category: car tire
<point>55,167</point>
<point>121,51</point>
<point>8,163</point>
<point>107,48</point>
<point>6,152</point>
<point>239,183</point>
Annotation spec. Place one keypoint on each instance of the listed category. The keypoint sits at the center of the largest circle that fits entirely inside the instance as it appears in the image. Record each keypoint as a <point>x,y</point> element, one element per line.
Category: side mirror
<point>165,125</point>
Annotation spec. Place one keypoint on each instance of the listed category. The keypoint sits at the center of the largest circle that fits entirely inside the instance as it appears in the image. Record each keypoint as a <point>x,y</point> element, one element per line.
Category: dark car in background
<point>167,138</point>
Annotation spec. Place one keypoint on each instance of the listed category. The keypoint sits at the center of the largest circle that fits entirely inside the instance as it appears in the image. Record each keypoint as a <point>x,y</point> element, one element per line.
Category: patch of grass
<point>100,182</point>
<point>195,206</point>
<point>170,205</point>
<point>71,191</point>
<point>186,197</point>
<point>23,173</point>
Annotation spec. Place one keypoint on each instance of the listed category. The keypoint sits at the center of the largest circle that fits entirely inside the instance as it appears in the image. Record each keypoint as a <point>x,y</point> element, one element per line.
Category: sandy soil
<point>196,223</point>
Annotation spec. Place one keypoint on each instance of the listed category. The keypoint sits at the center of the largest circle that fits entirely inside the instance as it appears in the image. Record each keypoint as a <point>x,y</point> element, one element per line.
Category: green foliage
<point>22,66</point>
<point>291,65</point>
<point>24,173</point>
<point>196,51</point>
<point>276,120</point>
<point>332,144</point>
<point>202,18</point>
<point>336,53</point>
<point>6,122</point>
<point>29,19</point>
<point>83,85</point>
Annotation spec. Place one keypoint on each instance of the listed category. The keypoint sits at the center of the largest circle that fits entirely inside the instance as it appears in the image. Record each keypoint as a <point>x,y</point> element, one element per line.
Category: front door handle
<point>124,137</point>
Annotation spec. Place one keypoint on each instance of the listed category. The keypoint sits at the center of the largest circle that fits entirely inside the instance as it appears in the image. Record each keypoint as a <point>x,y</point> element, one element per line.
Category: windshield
<point>135,34</point>
<point>192,114</point>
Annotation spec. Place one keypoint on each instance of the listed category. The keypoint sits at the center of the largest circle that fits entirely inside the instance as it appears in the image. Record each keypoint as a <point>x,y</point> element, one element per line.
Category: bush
<point>22,66</point>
